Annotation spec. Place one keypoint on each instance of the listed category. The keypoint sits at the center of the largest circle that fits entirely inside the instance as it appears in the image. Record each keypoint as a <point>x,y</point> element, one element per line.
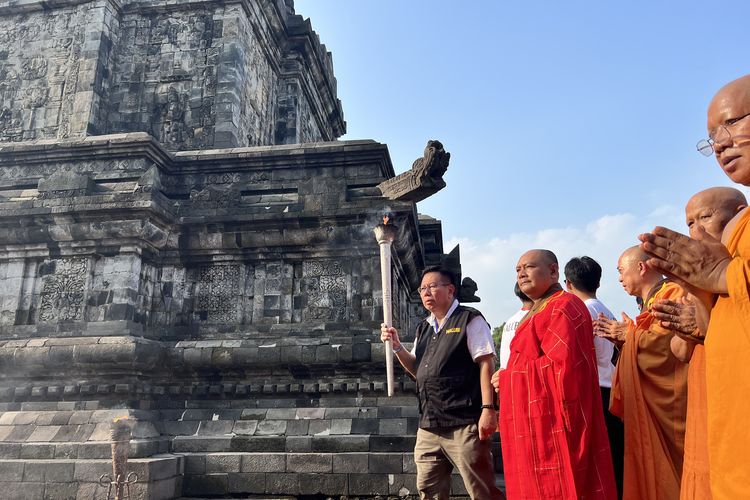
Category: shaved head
<point>537,270</point>
<point>546,256</point>
<point>710,210</point>
<point>636,276</point>
<point>728,123</point>
<point>634,254</point>
<point>736,89</point>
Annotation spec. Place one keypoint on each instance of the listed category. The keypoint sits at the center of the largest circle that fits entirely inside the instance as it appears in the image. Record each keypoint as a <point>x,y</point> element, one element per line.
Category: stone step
<point>158,478</point>
<point>302,444</point>
<point>139,448</point>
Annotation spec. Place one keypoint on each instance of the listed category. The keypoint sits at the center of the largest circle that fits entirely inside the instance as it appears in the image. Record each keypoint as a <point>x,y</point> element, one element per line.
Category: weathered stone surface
<point>182,242</point>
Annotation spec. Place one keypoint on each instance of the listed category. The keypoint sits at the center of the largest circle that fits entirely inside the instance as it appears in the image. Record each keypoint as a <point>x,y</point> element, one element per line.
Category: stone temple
<point>184,242</point>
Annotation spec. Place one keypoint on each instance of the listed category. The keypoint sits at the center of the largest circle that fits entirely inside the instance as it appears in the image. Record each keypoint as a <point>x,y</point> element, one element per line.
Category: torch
<point>120,482</point>
<point>385,234</point>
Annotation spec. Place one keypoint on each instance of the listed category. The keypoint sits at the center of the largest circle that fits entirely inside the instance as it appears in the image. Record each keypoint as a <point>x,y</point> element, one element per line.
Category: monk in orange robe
<point>553,436</point>
<point>709,211</point>
<point>649,388</point>
<point>722,268</point>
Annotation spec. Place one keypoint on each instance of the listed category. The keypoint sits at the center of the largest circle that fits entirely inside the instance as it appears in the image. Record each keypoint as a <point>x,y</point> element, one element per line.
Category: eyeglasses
<point>431,287</point>
<point>720,134</point>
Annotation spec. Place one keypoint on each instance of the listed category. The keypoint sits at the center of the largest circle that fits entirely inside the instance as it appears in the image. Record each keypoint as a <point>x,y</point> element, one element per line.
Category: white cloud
<point>491,263</point>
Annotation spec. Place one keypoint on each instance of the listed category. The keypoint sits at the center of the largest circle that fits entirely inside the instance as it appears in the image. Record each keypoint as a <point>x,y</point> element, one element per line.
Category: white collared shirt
<point>478,334</point>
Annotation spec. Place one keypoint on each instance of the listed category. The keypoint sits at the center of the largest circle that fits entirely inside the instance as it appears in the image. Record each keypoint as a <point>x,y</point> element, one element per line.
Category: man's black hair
<point>584,273</point>
<point>444,272</point>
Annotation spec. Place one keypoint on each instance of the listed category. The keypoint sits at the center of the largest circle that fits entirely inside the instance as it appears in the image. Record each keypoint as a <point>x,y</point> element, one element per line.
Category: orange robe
<point>695,473</point>
<point>552,431</point>
<point>728,374</point>
<point>649,392</point>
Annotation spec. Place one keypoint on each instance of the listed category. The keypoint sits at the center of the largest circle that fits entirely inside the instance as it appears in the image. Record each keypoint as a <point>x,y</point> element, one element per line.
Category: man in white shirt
<point>509,329</point>
<point>452,360</point>
<point>582,277</point>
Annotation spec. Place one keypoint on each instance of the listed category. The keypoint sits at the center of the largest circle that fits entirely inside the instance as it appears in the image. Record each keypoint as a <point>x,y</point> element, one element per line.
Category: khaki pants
<point>438,451</point>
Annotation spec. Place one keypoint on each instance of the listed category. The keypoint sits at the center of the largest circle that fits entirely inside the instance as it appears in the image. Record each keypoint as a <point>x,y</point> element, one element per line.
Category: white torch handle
<point>385,279</point>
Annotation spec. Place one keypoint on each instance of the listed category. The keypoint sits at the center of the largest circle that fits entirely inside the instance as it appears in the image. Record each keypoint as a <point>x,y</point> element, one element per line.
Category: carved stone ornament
<point>423,180</point>
<point>468,291</point>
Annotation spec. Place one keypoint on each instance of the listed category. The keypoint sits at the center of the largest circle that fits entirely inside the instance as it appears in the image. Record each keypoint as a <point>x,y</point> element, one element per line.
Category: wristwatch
<point>491,407</point>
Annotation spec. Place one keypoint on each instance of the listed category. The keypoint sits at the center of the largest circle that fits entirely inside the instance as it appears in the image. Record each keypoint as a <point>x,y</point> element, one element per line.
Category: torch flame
<point>385,220</point>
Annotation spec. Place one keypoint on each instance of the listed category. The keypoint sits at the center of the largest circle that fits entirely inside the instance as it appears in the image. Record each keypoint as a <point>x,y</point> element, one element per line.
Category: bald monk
<point>553,436</point>
<point>649,388</point>
<point>722,268</point>
<point>710,211</point>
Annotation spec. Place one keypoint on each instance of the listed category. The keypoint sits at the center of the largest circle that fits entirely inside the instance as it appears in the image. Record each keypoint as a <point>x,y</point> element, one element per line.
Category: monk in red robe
<point>554,440</point>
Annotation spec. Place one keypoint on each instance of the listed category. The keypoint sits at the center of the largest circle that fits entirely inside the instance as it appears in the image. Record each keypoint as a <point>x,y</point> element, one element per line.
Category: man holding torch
<point>453,359</point>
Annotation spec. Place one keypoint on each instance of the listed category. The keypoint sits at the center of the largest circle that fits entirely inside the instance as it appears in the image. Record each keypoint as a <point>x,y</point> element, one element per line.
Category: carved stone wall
<point>212,74</point>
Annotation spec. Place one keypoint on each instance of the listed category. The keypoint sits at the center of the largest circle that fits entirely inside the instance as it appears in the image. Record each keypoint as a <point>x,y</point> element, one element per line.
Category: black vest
<point>447,377</point>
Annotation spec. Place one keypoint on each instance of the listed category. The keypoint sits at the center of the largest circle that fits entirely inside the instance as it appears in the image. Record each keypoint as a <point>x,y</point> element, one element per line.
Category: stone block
<point>11,470</point>
<point>10,450</point>
<point>310,413</point>
<point>253,414</point>
<point>299,444</point>
<point>392,443</point>
<point>181,444</point>
<point>387,463</point>
<point>340,444</point>
<point>323,484</point>
<point>206,484</point>
<point>258,443</point>
<point>59,472</point>
<point>365,426</point>
<point>44,433</point>
<point>37,450</point>
<point>350,462</point>
<point>33,472</point>
<point>245,427</point>
<point>271,427</point>
<point>281,414</point>
<point>247,483</point>
<point>60,491</point>
<point>392,427</point>
<point>341,426</point>
<point>215,428</point>
<point>309,462</point>
<point>177,428</point>
<point>263,462</point>
<point>409,465</point>
<point>22,491</point>
<point>223,462</point>
<point>195,464</point>
<point>282,484</point>
<point>402,484</point>
<point>320,427</point>
<point>368,484</point>
<point>297,427</point>
<point>90,470</point>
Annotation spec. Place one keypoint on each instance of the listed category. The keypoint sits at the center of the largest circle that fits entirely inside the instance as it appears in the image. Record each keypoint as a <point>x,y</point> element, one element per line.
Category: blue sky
<point>571,124</point>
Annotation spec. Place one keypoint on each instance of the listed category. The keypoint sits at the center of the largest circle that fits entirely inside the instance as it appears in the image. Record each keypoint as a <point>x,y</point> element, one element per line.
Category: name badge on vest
<point>453,330</point>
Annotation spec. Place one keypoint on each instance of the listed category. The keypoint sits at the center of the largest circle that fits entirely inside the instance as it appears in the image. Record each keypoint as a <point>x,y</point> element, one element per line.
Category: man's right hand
<point>612,330</point>
<point>389,333</point>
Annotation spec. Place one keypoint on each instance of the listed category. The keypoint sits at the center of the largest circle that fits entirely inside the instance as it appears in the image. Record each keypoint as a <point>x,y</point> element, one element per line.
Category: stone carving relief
<point>214,198</point>
<point>173,129</point>
<point>423,180</point>
<point>63,293</point>
<point>326,286</point>
<point>216,293</point>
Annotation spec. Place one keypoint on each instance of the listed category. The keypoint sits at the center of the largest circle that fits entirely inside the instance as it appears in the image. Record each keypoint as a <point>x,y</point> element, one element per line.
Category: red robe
<point>552,429</point>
